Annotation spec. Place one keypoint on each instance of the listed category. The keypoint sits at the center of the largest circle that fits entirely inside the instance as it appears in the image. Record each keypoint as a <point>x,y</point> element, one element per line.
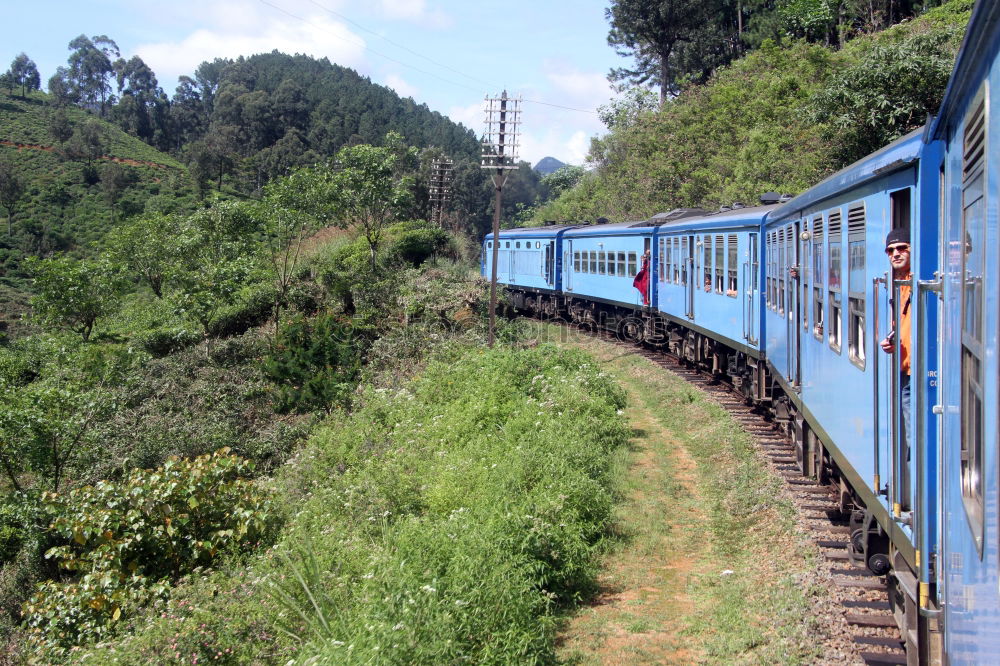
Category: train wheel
<point>631,330</point>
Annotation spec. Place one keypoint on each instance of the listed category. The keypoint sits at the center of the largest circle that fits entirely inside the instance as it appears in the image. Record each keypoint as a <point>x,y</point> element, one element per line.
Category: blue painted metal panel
<point>731,311</point>
<point>590,272</point>
<point>839,379</point>
<point>970,235</point>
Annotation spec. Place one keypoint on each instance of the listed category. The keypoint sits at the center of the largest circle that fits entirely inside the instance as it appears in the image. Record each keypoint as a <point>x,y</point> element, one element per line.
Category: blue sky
<point>448,54</point>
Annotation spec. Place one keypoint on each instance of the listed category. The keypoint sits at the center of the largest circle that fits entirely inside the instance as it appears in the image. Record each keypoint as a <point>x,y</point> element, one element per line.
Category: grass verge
<point>710,567</point>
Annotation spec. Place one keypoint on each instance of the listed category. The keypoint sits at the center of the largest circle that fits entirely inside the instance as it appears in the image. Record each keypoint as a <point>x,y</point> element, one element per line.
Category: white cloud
<point>471,116</point>
<point>581,86</point>
<point>416,11</point>
<point>402,88</point>
<point>569,147</point>
<point>235,29</point>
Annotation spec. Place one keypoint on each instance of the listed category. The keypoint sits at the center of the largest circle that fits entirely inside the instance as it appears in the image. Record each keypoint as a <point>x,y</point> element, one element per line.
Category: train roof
<point>979,47</point>
<point>899,154</point>
<point>730,217</point>
<point>547,231</point>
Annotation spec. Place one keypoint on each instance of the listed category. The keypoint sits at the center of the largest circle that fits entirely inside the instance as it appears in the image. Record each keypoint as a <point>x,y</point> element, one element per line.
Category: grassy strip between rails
<point>446,522</point>
<point>749,586</point>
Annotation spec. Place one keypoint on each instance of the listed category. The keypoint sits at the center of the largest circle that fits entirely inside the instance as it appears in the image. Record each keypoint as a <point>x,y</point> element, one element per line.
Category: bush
<point>190,404</point>
<point>254,307</point>
<point>161,342</point>
<point>125,542</point>
<point>315,363</point>
<point>448,520</point>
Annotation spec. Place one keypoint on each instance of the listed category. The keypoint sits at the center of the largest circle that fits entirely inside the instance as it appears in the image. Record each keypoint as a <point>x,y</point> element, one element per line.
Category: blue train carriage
<point>707,290</point>
<point>964,411</point>
<point>828,293</point>
<point>530,261</point>
<point>601,263</point>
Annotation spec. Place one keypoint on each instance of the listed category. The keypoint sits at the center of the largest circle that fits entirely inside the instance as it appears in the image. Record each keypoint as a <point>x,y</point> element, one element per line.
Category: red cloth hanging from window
<point>641,281</point>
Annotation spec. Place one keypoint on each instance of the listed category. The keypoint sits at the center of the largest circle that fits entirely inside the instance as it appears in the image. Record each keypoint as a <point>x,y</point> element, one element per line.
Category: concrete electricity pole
<point>500,146</point>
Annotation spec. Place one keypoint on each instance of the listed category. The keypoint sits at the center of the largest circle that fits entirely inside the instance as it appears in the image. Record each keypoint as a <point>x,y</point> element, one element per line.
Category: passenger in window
<point>897,248</point>
<point>641,281</point>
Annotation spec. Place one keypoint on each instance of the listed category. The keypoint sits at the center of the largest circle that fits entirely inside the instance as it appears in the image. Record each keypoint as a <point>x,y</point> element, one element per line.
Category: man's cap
<point>898,235</point>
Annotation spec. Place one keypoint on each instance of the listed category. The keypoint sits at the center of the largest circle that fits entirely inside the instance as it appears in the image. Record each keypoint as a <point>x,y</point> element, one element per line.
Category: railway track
<point>862,597</point>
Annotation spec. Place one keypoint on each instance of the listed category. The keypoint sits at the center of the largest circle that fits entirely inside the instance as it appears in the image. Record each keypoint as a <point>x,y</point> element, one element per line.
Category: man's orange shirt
<point>905,326</point>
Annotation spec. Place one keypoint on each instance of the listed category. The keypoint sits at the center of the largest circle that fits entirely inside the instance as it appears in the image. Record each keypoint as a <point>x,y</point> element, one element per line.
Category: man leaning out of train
<point>897,248</point>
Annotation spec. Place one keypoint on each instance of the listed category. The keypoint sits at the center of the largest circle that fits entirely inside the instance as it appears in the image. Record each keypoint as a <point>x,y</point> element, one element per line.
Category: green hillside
<point>67,197</point>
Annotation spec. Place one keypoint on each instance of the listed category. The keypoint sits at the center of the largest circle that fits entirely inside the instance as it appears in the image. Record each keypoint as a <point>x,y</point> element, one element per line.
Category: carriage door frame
<point>569,265</point>
<point>689,287</point>
<point>790,239</point>
<point>750,284</point>
<point>550,256</point>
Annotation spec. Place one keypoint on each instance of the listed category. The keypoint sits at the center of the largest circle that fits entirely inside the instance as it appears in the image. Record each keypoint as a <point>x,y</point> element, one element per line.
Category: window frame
<point>857,339</point>
<point>835,305</point>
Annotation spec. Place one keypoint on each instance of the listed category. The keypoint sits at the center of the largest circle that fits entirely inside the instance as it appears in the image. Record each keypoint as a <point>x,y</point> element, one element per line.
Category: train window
<point>707,265</point>
<point>720,265</point>
<point>664,260</point>
<point>817,276</point>
<point>576,262</point>
<point>856,343</point>
<point>612,264</point>
<point>602,262</point>
<point>622,270</point>
<point>633,268</point>
<point>507,244</point>
<point>732,282</point>
<point>593,262</point>
<point>973,334</point>
<point>834,289</point>
<point>677,261</point>
<point>538,245</point>
<point>517,245</point>
<point>782,270</point>
<point>684,260</point>
<point>769,251</point>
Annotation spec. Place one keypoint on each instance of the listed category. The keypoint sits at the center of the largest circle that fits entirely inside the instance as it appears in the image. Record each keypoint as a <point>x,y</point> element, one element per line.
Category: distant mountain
<point>548,164</point>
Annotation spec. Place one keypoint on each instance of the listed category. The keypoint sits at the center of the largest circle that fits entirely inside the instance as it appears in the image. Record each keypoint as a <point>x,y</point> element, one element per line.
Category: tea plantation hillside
<point>76,175</point>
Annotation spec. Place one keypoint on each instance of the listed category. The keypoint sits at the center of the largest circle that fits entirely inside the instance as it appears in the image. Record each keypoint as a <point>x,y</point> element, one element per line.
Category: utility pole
<point>440,188</point>
<point>500,146</point>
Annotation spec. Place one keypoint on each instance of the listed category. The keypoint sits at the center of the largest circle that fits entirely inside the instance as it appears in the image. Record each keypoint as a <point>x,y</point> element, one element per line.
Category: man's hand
<point>888,344</point>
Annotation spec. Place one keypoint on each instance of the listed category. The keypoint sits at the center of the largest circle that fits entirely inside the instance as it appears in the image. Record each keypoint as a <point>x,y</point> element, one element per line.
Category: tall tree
<point>25,74</point>
<point>650,31</point>
<point>61,89</point>
<point>91,69</point>
<point>11,191</point>
<point>366,186</point>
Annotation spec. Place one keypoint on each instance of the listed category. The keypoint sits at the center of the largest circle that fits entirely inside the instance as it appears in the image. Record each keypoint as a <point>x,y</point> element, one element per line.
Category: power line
<point>409,50</point>
<point>397,44</point>
<point>366,47</point>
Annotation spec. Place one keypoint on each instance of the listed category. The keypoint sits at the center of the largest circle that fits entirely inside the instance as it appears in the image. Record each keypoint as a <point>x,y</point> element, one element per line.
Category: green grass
<point>749,605</point>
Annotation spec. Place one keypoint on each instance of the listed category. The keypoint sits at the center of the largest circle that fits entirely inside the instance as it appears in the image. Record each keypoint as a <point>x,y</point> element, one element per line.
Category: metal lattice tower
<point>440,187</point>
<point>500,153</point>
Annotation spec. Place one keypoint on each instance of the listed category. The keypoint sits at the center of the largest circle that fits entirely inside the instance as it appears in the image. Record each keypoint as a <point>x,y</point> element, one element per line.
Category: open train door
<point>791,274</point>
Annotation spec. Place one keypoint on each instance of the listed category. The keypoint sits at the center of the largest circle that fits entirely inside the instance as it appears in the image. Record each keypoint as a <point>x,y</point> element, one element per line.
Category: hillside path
<point>638,615</point>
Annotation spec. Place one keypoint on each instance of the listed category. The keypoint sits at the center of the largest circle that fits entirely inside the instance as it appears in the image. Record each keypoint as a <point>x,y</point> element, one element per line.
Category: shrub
<point>161,342</point>
<point>124,542</point>
<point>315,363</point>
<point>253,307</point>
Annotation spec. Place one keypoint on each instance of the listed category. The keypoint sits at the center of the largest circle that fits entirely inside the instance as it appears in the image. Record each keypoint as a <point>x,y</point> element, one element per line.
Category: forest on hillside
<point>780,118</point>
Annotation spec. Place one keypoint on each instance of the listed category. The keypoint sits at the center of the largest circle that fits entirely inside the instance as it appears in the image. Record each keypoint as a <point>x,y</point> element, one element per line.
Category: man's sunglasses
<point>893,249</point>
